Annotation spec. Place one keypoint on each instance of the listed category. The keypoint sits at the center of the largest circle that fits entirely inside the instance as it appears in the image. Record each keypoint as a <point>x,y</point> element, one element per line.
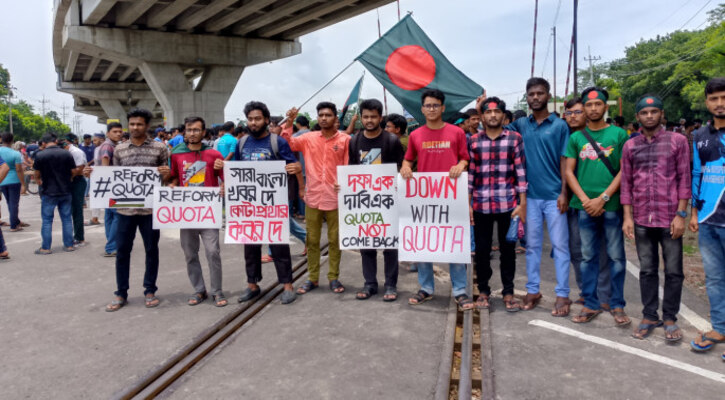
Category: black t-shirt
<point>55,166</point>
<point>383,149</point>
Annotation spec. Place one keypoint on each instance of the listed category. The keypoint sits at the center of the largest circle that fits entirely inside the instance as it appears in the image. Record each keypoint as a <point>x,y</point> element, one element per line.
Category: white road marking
<point>685,312</point>
<point>717,377</point>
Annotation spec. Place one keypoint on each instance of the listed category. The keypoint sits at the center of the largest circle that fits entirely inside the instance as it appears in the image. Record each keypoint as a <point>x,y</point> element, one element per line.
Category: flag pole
<point>385,92</point>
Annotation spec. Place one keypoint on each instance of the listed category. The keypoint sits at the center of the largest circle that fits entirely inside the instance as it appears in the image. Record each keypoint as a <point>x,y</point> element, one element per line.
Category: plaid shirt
<point>655,176</point>
<point>497,172</point>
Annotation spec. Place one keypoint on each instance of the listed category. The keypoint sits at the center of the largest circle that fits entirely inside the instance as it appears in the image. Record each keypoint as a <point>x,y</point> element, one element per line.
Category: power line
<point>698,12</point>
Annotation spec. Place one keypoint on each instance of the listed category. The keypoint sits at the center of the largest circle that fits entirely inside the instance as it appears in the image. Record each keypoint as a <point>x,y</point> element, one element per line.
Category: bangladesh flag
<point>353,98</point>
<point>407,62</point>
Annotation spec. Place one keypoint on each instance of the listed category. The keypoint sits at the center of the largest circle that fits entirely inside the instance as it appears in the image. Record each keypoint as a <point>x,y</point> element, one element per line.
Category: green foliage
<point>4,81</point>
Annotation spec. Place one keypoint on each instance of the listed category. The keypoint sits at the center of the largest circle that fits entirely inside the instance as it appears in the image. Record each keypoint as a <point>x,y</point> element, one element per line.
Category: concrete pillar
<point>179,99</point>
<point>115,110</point>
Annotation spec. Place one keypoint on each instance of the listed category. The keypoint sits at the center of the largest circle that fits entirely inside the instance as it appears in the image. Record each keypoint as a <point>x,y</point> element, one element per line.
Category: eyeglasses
<point>193,130</point>
<point>432,106</point>
<point>575,112</point>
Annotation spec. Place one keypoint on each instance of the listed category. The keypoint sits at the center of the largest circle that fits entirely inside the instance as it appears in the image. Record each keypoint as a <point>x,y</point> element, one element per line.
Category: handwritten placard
<point>434,220</point>
<point>257,205</point>
<point>123,187</point>
<point>187,208</point>
<point>368,217</point>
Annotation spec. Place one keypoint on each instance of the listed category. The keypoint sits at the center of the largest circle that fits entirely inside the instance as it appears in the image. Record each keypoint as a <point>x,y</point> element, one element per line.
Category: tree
<point>4,81</point>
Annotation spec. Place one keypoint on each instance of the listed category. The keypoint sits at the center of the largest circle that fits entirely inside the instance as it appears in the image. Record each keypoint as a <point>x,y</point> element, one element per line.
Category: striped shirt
<point>149,154</point>
<point>655,177</point>
<point>497,172</point>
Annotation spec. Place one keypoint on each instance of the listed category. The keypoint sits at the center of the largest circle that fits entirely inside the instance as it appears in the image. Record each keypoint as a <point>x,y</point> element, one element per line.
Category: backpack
<point>273,142</point>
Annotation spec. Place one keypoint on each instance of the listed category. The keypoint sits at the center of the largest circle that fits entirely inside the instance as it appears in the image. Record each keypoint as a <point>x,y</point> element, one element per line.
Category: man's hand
<point>520,211</point>
<point>628,228</point>
<point>293,168</point>
<point>87,171</point>
<point>164,170</point>
<point>470,215</point>
<point>677,227</point>
<point>302,193</point>
<point>694,226</point>
<point>456,171</point>
<point>562,203</point>
<point>406,172</point>
<point>594,207</point>
<point>218,164</point>
<point>337,188</point>
<point>291,116</point>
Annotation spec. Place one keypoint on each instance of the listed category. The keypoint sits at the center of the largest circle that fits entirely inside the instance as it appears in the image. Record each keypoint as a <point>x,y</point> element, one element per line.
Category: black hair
<point>670,124</point>
<point>126,135</point>
<point>327,105</point>
<point>228,126</point>
<point>192,119</point>
<point>303,121</point>
<point>535,81</point>
<point>86,136</point>
<point>71,137</point>
<point>238,130</point>
<point>697,121</point>
<point>140,112</point>
<point>113,125</point>
<point>275,120</point>
<point>572,102</point>
<point>472,112</point>
<point>598,89</point>
<point>372,105</point>
<point>715,85</point>
<point>316,127</point>
<point>519,114</point>
<point>509,115</point>
<point>457,116</point>
<point>399,122</point>
<point>619,120</point>
<point>635,125</point>
<point>256,105</point>
<point>499,103</point>
<point>434,93</point>
<point>609,120</point>
<point>7,137</point>
<point>48,138</point>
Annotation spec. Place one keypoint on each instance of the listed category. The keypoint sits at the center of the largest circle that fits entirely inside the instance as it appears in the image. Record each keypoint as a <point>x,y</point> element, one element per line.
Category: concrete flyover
<point>177,57</point>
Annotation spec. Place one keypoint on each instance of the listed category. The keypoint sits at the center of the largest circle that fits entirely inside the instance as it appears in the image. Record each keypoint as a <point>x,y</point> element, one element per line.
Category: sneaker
<point>78,243</point>
<point>288,296</point>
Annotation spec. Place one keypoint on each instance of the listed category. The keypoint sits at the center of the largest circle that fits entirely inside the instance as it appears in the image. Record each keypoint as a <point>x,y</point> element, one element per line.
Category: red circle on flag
<point>492,105</point>
<point>650,101</point>
<point>593,95</point>
<point>411,67</point>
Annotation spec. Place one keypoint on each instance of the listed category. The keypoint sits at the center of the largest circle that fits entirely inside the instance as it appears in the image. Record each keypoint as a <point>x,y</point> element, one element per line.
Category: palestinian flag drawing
<point>126,203</point>
<point>407,62</point>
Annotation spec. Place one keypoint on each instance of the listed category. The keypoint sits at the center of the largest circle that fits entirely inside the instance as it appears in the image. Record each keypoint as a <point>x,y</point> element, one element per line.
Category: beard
<point>258,133</point>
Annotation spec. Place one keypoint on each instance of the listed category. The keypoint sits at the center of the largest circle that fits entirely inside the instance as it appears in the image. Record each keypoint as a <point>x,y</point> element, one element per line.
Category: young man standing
<point>192,165</point>
<point>139,151</point>
<point>54,169</point>
<point>14,182</point>
<point>708,210</point>
<point>657,164</point>
<point>227,142</point>
<point>545,139</point>
<point>593,159</point>
<point>78,189</point>
<point>497,191</point>
<point>323,151</point>
<point>258,146</point>
<point>438,147</point>
<point>376,146</point>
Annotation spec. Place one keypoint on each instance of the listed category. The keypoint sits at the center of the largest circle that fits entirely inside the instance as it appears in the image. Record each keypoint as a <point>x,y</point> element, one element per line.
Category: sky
<point>488,40</point>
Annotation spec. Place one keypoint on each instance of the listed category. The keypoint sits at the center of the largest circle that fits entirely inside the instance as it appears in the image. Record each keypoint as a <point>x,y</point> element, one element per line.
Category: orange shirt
<point>322,156</point>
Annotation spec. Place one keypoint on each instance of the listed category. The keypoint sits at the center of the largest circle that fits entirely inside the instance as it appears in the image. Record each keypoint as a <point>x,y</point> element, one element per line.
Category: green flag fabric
<point>406,62</point>
<point>353,98</point>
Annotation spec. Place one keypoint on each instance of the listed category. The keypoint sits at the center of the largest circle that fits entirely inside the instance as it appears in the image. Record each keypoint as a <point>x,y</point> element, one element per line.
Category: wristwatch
<point>682,213</point>
<point>605,197</point>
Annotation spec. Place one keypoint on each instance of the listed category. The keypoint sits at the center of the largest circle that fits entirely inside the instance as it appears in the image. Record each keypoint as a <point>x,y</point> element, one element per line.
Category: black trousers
<point>648,241</point>
<point>483,232</point>
<point>282,262</point>
<point>370,267</point>
<point>125,235</point>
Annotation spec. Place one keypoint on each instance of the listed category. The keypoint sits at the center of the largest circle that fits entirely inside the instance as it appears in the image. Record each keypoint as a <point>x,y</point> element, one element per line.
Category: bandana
<point>490,105</point>
<point>649,101</point>
<point>593,95</point>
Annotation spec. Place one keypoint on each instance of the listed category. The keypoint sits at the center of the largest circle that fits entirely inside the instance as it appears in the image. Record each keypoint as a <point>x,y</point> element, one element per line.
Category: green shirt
<point>592,174</point>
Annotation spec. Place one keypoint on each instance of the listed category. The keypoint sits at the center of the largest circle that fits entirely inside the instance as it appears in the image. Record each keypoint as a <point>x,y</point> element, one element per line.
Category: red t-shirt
<point>196,168</point>
<point>437,150</point>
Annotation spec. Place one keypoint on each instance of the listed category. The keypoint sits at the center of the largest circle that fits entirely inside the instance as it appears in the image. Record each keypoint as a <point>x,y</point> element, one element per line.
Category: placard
<point>187,208</point>
<point>257,205</point>
<point>434,219</point>
<point>368,217</point>
<point>123,187</point>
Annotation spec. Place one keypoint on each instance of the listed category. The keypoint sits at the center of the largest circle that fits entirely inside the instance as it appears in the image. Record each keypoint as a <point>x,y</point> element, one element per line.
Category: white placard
<point>257,205</point>
<point>368,216</point>
<point>123,187</point>
<point>434,219</point>
<point>187,208</point>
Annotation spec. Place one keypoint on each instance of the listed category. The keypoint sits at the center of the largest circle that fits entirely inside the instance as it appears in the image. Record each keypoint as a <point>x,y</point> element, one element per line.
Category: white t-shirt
<point>78,155</point>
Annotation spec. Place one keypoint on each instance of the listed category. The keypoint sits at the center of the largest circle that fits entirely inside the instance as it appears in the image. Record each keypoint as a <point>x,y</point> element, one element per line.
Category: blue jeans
<point>604,288</point>
<point>593,230</point>
<point>110,221</point>
<point>712,247</point>
<point>537,211</point>
<point>427,282</point>
<point>12,196</point>
<point>47,210</point>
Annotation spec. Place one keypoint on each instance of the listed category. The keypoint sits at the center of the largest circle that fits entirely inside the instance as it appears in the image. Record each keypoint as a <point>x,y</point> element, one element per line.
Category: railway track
<point>159,379</point>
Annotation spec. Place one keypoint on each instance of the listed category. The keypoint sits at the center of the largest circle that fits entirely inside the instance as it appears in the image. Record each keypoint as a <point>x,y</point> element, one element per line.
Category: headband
<point>490,105</point>
<point>649,101</point>
<point>593,95</point>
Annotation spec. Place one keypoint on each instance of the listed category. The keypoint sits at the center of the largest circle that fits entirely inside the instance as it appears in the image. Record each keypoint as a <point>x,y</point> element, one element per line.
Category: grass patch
<point>689,250</point>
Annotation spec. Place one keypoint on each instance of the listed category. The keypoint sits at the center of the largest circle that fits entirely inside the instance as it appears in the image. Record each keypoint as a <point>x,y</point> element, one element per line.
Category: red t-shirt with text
<point>437,150</point>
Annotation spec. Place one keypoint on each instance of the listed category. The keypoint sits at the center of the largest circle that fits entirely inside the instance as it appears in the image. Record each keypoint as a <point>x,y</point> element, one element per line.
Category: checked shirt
<point>497,172</point>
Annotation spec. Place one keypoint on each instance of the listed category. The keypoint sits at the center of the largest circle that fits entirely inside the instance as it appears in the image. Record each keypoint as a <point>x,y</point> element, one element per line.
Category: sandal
<point>197,298</point>
<point>391,294</point>
<point>561,307</point>
<point>365,293</point>
<point>419,298</point>
<point>521,250</point>
<point>336,286</point>
<point>482,302</point>
<point>699,348</point>
<point>671,330</point>
<point>43,252</point>
<point>464,302</point>
<point>585,316</point>
<point>266,259</point>
<point>531,301</point>
<point>619,313</point>
<point>24,225</point>
<point>69,249</point>
<point>580,301</point>
<point>647,328</point>
<point>116,304</point>
<point>5,255</point>
<point>511,304</point>
<point>152,301</point>
<point>306,287</point>
<point>220,300</point>
<point>18,229</point>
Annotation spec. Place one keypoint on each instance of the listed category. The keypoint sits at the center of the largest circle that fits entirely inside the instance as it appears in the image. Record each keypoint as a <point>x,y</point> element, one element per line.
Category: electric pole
<point>10,106</point>
<point>64,107</point>
<point>574,46</point>
<point>591,65</point>
<point>42,106</point>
